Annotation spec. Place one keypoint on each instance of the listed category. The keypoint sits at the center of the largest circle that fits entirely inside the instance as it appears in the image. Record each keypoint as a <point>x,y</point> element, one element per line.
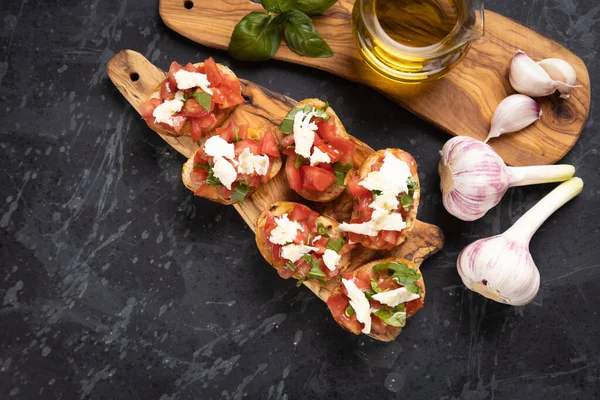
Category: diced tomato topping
<point>269,145</point>
<point>377,325</point>
<point>198,175</point>
<point>175,66</point>
<point>212,72</point>
<point>243,132</point>
<point>232,90</point>
<point>178,122</point>
<point>345,147</point>
<point>294,175</point>
<point>147,108</point>
<point>301,213</point>
<point>287,140</point>
<point>320,178</point>
<point>252,145</point>
<point>227,133</point>
<point>356,190</point>
<point>389,237</point>
<point>192,109</point>
<point>207,191</point>
<point>326,129</point>
<point>201,125</point>
<point>167,90</point>
<point>338,305</point>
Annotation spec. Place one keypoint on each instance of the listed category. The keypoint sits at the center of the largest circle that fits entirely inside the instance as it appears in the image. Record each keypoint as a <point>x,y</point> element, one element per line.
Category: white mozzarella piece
<point>294,252</point>
<point>285,231</point>
<point>391,177</point>
<point>395,297</point>
<point>319,157</point>
<point>187,80</point>
<point>165,111</point>
<point>359,303</point>
<point>331,259</point>
<point>218,147</point>
<point>225,172</point>
<point>304,133</point>
<point>250,163</point>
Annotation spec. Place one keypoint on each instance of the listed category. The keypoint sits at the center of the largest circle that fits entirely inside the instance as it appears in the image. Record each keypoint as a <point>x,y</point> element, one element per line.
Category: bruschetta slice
<point>193,100</point>
<point>300,243</point>
<point>377,298</point>
<point>385,200</point>
<point>230,165</point>
<point>319,152</point>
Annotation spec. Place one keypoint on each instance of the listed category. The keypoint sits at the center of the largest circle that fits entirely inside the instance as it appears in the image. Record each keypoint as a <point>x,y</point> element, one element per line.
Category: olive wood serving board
<point>136,78</point>
<point>461,103</point>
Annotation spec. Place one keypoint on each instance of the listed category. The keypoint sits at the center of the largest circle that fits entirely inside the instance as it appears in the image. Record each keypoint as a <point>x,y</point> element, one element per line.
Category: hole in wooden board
<point>188,4</point>
<point>134,76</point>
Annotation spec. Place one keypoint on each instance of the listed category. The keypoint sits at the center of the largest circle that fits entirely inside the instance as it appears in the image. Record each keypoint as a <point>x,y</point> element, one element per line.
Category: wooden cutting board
<point>136,78</point>
<point>462,103</point>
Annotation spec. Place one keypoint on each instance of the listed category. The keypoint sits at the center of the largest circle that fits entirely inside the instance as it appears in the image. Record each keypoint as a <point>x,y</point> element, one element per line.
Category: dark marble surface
<point>117,284</point>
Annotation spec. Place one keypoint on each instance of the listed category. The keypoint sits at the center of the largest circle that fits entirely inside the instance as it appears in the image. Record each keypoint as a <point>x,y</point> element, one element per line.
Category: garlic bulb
<point>562,71</point>
<point>527,77</point>
<point>501,267</point>
<point>473,177</point>
<point>513,114</point>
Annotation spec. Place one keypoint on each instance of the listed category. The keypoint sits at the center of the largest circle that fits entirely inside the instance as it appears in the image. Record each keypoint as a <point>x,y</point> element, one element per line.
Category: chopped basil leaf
<point>326,106</point>
<point>403,275</point>
<point>239,192</point>
<point>392,318</point>
<point>308,239</point>
<point>211,179</point>
<point>412,185</point>
<point>204,99</point>
<point>291,266</point>
<point>322,230</point>
<point>340,170</point>
<point>335,244</point>
<point>406,201</point>
<point>375,193</point>
<point>236,136</point>
<point>287,125</point>
<point>369,293</point>
<point>375,286</point>
<point>300,161</point>
<point>315,272</point>
<point>350,311</point>
<point>300,282</point>
<point>199,165</point>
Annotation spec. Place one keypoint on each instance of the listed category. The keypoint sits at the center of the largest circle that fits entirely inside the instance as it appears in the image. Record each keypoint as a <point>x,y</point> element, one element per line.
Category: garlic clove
<point>562,71</point>
<point>500,269</point>
<point>513,114</point>
<point>527,77</point>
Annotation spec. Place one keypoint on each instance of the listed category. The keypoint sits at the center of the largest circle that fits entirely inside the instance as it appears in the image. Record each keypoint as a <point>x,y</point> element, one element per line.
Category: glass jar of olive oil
<point>414,41</point>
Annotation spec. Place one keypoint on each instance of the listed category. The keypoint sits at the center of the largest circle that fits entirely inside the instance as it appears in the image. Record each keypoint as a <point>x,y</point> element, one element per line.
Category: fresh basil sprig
<point>402,275</point>
<point>257,36</point>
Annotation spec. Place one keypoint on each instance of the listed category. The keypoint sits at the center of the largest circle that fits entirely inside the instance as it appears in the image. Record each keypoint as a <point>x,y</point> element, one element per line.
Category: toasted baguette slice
<point>411,217</point>
<point>221,115</point>
<point>333,191</point>
<point>253,133</point>
<point>415,305</point>
<point>277,210</point>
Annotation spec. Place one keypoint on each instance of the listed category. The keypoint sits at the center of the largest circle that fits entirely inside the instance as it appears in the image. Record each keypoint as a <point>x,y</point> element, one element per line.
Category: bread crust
<point>186,129</point>
<point>333,191</point>
<point>278,209</point>
<point>188,166</point>
<point>393,331</point>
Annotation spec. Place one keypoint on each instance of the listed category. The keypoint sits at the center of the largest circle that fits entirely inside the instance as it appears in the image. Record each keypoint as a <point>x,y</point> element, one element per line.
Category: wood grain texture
<point>266,109</point>
<point>461,103</point>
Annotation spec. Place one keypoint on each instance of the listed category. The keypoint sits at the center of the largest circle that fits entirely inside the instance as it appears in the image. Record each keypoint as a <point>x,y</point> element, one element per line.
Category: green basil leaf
<point>291,266</point>
<point>315,272</point>
<point>308,239</point>
<point>305,40</point>
<point>236,136</point>
<point>369,293</point>
<point>397,319</point>
<point>277,6</point>
<point>300,282</point>
<point>340,170</point>
<point>296,17</point>
<point>255,38</point>
<point>314,7</point>
<point>211,179</point>
<point>199,165</point>
<point>300,161</point>
<point>375,193</point>
<point>375,286</point>
<point>350,311</point>
<point>322,230</point>
<point>335,244</point>
<point>287,125</point>
<point>204,99</point>
<point>239,192</point>
<point>403,275</point>
<point>406,201</point>
<point>412,185</point>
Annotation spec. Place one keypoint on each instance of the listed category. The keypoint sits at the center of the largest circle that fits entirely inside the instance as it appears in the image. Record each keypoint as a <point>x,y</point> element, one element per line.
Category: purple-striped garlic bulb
<point>473,177</point>
<point>501,267</point>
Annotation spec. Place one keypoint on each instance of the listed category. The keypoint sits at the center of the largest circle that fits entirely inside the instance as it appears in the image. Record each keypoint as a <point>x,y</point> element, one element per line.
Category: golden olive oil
<point>413,40</point>
<point>417,23</point>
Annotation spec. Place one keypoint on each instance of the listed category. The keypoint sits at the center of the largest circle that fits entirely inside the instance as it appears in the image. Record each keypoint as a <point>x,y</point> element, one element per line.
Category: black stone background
<point>117,284</point>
